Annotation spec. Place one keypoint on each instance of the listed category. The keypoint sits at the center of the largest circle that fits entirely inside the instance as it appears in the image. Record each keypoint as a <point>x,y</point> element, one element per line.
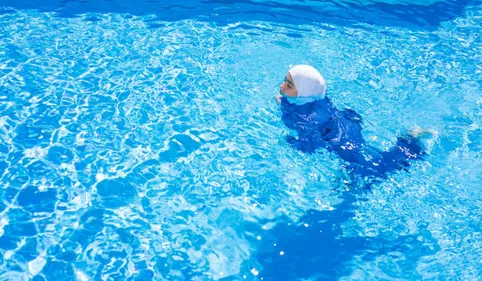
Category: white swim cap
<point>308,81</point>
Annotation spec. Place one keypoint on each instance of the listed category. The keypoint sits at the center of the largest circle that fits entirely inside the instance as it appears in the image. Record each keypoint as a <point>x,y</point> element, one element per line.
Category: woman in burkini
<point>307,110</point>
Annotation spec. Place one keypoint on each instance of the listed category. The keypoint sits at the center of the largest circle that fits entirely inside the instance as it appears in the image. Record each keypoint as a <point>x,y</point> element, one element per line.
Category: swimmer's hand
<point>426,137</point>
<point>278,98</point>
<point>420,133</point>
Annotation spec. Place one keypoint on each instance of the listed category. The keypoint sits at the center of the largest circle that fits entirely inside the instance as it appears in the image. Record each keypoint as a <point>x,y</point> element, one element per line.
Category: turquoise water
<point>141,147</point>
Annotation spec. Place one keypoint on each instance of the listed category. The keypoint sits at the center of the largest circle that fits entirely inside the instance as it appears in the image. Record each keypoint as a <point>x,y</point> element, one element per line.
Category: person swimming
<point>306,109</point>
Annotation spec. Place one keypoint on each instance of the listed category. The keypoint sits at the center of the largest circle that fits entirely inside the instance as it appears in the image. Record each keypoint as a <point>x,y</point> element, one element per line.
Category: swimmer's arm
<point>278,98</point>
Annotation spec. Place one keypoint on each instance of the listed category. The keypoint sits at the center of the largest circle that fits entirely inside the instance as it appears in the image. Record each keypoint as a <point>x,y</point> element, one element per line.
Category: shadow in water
<point>315,247</point>
<point>222,12</point>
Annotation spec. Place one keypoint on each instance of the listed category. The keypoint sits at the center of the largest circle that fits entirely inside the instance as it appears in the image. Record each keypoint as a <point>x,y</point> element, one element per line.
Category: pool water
<point>141,141</point>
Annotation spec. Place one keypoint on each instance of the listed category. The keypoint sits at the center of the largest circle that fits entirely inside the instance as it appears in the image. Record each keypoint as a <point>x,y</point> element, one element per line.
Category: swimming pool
<point>140,141</point>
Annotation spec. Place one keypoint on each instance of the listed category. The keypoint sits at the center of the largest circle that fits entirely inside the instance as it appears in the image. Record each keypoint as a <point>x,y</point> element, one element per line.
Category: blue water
<point>140,140</point>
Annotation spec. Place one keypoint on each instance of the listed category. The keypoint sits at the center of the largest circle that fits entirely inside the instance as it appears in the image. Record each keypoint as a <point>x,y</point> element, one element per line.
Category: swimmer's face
<point>288,87</point>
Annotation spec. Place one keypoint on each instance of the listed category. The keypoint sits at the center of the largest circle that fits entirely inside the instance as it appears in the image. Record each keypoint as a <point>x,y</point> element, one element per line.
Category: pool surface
<point>140,140</point>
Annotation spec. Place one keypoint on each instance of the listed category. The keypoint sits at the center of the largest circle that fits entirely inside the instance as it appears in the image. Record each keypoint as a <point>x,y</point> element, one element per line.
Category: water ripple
<point>137,148</point>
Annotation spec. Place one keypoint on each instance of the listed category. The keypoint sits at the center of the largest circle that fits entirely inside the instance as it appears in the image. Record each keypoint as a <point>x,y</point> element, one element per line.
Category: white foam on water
<point>80,138</point>
<point>62,132</point>
<point>8,254</point>
<point>254,271</point>
<point>36,265</point>
<point>66,169</point>
<point>81,276</point>
<point>3,223</point>
<point>131,268</point>
<point>99,177</point>
<point>34,99</point>
<point>42,186</point>
<point>35,152</point>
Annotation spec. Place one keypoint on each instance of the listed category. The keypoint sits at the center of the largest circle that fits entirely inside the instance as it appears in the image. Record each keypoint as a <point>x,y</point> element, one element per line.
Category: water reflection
<point>418,14</point>
<point>315,247</point>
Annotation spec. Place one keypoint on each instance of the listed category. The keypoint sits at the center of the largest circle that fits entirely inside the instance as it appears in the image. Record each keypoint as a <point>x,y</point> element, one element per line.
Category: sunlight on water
<point>136,148</point>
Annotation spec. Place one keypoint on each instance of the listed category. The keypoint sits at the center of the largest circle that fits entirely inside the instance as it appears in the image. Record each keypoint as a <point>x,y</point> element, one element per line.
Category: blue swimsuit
<point>320,125</point>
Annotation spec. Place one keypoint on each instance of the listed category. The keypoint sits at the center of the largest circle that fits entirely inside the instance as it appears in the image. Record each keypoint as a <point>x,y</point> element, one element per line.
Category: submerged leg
<point>398,157</point>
